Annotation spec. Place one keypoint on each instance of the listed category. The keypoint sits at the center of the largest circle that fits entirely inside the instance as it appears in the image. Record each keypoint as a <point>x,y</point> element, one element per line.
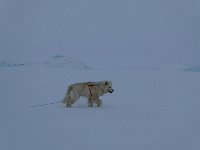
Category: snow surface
<point>150,109</point>
<point>148,49</point>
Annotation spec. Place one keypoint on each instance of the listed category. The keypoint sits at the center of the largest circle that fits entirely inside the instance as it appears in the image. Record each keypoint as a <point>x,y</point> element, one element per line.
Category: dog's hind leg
<point>90,102</point>
<point>73,97</point>
<point>67,101</point>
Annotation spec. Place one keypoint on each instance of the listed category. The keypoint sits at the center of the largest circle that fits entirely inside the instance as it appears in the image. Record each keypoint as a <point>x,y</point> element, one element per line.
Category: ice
<point>56,61</point>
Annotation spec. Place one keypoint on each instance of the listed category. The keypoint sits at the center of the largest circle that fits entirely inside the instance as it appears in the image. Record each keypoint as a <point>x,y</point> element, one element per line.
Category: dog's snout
<point>111,91</point>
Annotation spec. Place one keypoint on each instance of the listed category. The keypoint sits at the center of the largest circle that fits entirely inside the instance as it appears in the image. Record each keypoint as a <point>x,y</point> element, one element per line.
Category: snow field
<point>148,110</point>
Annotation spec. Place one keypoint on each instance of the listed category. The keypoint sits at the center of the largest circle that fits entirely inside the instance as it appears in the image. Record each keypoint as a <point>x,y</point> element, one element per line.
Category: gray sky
<point>156,30</point>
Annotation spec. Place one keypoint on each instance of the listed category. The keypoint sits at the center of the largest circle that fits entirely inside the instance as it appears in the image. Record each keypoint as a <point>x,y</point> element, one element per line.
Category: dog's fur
<point>91,90</point>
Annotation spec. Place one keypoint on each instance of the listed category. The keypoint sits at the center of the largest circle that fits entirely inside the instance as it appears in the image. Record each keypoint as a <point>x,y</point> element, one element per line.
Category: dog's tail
<point>64,101</point>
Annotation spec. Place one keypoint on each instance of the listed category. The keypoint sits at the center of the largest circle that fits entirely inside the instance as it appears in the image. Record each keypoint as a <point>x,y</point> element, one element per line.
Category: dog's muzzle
<point>110,91</point>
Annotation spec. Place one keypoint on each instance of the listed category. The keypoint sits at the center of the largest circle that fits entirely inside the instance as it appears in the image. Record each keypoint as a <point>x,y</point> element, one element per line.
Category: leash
<point>40,105</point>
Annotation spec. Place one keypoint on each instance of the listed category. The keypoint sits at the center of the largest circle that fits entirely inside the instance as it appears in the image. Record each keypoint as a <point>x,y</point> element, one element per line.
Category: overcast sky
<point>161,30</point>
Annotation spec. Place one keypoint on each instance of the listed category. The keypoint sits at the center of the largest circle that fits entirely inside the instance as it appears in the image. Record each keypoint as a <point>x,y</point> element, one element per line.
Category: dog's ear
<point>106,83</point>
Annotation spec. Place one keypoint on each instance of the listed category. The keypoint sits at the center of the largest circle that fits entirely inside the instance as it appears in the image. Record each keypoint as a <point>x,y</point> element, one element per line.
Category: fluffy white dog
<point>91,90</point>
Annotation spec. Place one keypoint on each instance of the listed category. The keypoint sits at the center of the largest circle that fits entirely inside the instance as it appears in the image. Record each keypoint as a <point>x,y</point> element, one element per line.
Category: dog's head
<point>108,87</point>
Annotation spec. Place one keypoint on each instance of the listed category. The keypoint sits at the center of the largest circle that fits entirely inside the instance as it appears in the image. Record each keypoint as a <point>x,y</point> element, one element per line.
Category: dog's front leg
<point>98,102</point>
<point>90,102</point>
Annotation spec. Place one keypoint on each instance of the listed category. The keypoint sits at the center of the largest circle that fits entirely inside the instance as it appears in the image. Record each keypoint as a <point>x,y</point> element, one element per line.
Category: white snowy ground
<point>152,108</point>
